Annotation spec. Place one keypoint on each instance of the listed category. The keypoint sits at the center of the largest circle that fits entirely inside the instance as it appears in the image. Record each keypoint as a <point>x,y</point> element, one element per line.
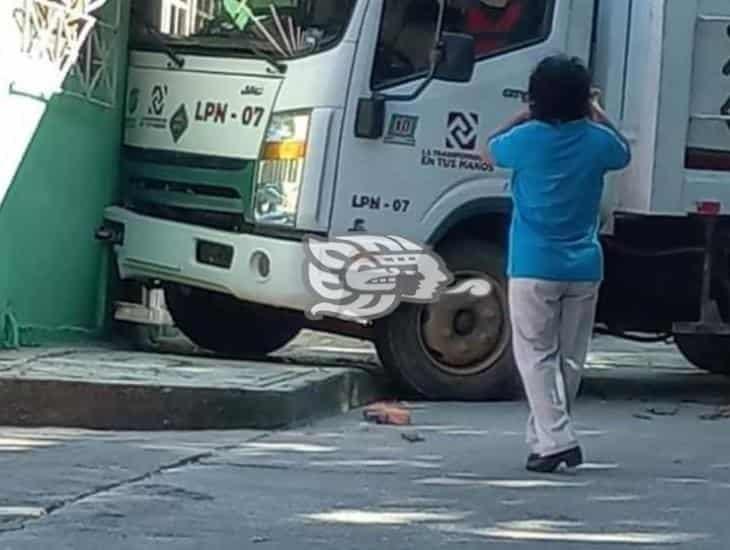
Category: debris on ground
<point>393,414</point>
<point>259,540</point>
<point>641,416</point>
<point>719,414</point>
<point>663,411</point>
<point>413,437</point>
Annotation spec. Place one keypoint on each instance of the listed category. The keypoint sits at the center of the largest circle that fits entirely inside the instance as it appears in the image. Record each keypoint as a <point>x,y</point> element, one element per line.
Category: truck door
<point>427,164</point>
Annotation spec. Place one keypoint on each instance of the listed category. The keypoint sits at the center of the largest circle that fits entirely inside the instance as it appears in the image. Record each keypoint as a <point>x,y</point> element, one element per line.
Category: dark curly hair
<point>560,90</point>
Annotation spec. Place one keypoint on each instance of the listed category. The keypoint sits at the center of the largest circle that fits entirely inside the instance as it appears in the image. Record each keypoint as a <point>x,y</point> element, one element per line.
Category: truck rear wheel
<point>459,348</point>
<point>222,324</point>
<point>706,351</point>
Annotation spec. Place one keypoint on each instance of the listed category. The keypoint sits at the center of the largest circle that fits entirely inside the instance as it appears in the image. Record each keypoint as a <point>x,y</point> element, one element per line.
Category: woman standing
<point>559,151</point>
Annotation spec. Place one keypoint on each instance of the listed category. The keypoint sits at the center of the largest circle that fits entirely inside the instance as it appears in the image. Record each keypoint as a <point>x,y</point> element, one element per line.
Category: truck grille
<point>186,188</point>
<point>223,221</point>
<point>214,207</point>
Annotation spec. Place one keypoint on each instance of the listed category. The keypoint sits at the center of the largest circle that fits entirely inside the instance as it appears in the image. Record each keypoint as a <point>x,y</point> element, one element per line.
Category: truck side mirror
<point>457,58</point>
<point>370,121</point>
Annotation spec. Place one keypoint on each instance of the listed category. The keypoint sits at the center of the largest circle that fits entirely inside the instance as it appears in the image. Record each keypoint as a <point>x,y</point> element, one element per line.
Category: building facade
<point>62,67</point>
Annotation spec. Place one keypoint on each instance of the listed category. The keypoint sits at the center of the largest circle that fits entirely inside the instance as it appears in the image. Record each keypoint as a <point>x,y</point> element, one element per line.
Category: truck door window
<point>408,28</point>
<point>407,34</point>
<point>499,26</point>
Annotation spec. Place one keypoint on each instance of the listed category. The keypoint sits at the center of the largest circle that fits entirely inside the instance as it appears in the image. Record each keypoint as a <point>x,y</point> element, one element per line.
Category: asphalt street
<point>658,475</point>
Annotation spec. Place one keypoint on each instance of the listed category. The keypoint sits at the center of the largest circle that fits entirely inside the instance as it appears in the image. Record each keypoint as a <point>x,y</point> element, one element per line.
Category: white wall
<point>23,82</point>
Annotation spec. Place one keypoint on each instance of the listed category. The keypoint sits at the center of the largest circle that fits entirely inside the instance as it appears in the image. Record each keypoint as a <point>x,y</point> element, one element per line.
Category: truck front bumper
<point>252,268</point>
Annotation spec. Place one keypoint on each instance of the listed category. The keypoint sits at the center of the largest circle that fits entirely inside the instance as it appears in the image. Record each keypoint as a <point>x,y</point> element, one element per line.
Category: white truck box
<point>671,93</point>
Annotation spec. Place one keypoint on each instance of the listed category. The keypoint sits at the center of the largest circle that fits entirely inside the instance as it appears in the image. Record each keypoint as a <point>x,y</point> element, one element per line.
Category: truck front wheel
<point>222,324</point>
<point>460,347</point>
<point>706,351</point>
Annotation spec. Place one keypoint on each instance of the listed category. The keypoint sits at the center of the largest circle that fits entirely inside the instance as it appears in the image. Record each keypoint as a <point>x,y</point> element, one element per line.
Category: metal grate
<point>52,31</point>
<point>77,40</point>
<point>95,75</point>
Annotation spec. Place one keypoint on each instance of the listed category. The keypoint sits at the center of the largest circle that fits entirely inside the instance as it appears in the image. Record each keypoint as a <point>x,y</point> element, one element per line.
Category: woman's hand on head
<point>525,115</point>
<point>597,113</point>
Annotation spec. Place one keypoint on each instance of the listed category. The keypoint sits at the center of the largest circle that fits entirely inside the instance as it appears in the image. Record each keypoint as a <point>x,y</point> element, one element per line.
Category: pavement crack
<point>249,466</point>
<point>22,363</point>
<point>301,468</point>
<point>129,481</point>
<point>183,462</point>
<point>99,490</point>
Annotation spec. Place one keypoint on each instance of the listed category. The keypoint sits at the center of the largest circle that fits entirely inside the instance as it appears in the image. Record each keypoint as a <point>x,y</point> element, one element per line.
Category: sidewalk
<point>107,388</point>
<point>317,375</point>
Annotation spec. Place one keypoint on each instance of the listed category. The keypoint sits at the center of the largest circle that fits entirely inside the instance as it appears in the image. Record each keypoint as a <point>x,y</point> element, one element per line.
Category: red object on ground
<point>388,413</point>
<point>479,20</point>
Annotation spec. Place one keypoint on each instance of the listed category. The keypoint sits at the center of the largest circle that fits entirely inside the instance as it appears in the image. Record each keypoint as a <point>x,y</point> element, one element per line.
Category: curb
<point>634,383</point>
<point>105,406</point>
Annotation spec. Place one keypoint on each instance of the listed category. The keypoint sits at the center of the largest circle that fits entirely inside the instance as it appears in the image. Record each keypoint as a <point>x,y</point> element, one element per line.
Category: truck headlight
<point>281,169</point>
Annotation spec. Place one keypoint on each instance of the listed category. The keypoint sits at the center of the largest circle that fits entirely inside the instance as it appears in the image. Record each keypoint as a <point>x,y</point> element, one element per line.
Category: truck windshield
<point>279,28</point>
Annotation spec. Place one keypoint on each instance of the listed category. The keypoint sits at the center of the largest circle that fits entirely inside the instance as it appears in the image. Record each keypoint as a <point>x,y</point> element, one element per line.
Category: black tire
<point>225,325</point>
<point>707,352</point>
<point>404,353</point>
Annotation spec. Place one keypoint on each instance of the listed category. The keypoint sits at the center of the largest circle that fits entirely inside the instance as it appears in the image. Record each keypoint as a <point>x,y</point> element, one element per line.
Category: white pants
<point>552,325</point>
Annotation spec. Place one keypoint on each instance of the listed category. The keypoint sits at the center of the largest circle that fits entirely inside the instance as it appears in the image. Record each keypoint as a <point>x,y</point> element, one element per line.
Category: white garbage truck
<point>252,125</point>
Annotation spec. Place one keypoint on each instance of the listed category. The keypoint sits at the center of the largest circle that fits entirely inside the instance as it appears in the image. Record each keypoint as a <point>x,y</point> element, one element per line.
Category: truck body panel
<point>409,182</point>
<point>156,249</point>
<point>672,103</point>
<point>202,113</point>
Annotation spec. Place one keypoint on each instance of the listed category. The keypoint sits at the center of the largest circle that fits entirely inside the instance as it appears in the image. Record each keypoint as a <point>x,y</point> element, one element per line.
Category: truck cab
<point>253,125</point>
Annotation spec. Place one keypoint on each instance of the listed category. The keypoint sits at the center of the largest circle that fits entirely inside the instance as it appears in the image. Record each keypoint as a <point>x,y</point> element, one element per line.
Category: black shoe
<point>548,464</point>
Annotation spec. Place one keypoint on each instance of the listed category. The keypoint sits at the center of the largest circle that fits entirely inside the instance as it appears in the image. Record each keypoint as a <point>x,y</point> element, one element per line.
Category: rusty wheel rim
<point>465,334</point>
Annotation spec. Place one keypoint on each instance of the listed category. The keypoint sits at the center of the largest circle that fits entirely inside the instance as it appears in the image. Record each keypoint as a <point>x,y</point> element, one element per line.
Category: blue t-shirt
<point>557,184</point>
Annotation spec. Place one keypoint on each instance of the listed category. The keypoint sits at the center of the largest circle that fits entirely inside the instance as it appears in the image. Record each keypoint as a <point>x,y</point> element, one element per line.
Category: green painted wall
<point>54,276</point>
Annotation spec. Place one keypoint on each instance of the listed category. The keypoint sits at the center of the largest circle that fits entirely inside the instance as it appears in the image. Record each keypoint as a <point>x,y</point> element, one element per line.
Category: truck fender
<point>473,210</point>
